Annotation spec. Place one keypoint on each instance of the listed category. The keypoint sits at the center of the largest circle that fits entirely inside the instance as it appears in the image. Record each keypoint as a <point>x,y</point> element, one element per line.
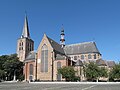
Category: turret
<point>62,40</point>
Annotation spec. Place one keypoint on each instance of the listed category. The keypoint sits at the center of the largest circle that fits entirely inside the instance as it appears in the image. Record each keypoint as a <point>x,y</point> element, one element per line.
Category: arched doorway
<point>59,76</point>
<point>31,72</point>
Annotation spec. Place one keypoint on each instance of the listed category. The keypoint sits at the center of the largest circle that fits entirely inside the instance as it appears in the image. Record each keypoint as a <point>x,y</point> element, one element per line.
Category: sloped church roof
<point>30,56</point>
<point>81,48</point>
<point>72,49</point>
<point>57,47</point>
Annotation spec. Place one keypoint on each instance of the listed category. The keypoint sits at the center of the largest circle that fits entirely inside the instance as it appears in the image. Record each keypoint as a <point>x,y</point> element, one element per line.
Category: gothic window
<point>58,65</point>
<point>19,44</point>
<point>82,57</point>
<point>59,75</point>
<point>44,58</point>
<point>75,57</point>
<point>89,56</point>
<point>95,56</point>
<point>19,48</point>
<point>22,43</point>
<point>30,47</point>
<point>31,69</point>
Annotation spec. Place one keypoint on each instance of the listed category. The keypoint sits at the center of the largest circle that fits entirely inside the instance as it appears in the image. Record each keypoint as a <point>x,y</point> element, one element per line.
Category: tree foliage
<point>103,72</point>
<point>10,66</point>
<point>115,72</point>
<point>93,72</point>
<point>68,73</point>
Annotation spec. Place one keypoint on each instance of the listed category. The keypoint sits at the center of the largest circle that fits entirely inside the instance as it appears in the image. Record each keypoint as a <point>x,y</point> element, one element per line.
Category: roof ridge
<point>80,43</point>
<point>52,39</point>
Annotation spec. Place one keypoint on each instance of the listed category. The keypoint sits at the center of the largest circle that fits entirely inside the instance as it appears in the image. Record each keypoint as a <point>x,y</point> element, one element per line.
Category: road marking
<point>89,87</point>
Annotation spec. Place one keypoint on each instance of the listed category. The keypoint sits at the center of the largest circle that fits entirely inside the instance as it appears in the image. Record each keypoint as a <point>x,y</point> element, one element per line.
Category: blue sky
<point>83,20</point>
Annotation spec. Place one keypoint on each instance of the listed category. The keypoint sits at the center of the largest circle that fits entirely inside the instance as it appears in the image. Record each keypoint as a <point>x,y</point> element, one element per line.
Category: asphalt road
<point>29,86</point>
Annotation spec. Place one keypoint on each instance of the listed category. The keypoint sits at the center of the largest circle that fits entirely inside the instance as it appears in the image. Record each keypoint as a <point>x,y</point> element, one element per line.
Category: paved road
<point>28,86</point>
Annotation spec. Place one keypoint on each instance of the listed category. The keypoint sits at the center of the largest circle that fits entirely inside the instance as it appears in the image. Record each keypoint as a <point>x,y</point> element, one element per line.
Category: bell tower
<point>24,44</point>
<point>62,40</point>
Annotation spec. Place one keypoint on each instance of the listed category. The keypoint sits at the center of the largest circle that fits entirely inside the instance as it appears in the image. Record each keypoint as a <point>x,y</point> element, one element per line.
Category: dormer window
<point>95,56</point>
<point>75,57</point>
<point>82,57</point>
<point>89,56</point>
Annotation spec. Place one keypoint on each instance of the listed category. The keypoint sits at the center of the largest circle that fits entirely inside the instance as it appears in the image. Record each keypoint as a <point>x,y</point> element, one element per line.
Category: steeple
<point>24,44</point>
<point>62,40</point>
<point>25,33</point>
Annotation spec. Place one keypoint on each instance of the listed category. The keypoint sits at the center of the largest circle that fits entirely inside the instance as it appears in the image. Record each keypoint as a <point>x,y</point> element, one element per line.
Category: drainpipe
<point>36,66</point>
<point>52,66</point>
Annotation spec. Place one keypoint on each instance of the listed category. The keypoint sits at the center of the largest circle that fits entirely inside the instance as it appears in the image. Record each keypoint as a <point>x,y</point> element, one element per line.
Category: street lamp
<point>14,78</point>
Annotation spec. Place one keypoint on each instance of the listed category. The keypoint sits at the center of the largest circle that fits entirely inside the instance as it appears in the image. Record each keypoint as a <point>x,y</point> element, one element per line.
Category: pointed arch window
<point>44,58</point>
<point>89,56</point>
<point>95,57</point>
<point>58,65</point>
<point>59,76</point>
<point>82,57</point>
<point>31,69</point>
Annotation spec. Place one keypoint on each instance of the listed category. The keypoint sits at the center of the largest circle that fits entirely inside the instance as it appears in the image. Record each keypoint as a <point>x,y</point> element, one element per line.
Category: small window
<point>75,57</point>
<point>22,43</point>
<point>82,57</point>
<point>89,56</point>
<point>19,48</point>
<point>19,44</point>
<point>95,56</point>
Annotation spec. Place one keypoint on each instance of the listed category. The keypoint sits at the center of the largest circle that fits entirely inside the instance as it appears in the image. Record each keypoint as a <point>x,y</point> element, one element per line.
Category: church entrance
<point>31,72</point>
<point>31,77</point>
<point>59,77</point>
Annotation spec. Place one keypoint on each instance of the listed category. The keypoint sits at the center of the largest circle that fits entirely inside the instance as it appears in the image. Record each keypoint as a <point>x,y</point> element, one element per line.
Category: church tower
<point>24,44</point>
<point>62,40</point>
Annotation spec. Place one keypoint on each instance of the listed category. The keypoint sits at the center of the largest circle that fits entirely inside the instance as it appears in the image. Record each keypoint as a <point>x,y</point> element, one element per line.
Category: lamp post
<point>5,76</point>
<point>14,78</point>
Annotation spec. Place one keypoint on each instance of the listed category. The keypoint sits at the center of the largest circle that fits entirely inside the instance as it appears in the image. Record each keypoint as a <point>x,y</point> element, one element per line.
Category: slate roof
<point>79,63</point>
<point>81,48</point>
<point>57,47</point>
<point>101,62</point>
<point>60,57</point>
<point>110,64</point>
<point>25,33</point>
<point>30,56</point>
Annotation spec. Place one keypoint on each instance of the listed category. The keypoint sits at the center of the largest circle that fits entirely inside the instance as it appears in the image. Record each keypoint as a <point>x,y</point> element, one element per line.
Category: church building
<point>50,55</point>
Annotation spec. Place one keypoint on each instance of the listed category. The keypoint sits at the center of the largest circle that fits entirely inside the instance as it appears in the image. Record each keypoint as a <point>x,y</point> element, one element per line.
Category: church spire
<point>25,33</point>
<point>62,40</point>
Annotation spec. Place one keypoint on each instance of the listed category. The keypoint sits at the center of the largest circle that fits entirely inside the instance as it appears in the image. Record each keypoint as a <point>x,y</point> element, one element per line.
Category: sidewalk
<point>74,82</point>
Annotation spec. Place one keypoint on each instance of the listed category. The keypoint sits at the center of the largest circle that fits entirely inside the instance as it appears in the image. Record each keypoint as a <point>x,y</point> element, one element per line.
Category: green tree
<point>3,59</point>
<point>92,71</point>
<point>103,72</point>
<point>68,73</point>
<point>11,66</point>
<point>115,73</point>
<point>2,73</point>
